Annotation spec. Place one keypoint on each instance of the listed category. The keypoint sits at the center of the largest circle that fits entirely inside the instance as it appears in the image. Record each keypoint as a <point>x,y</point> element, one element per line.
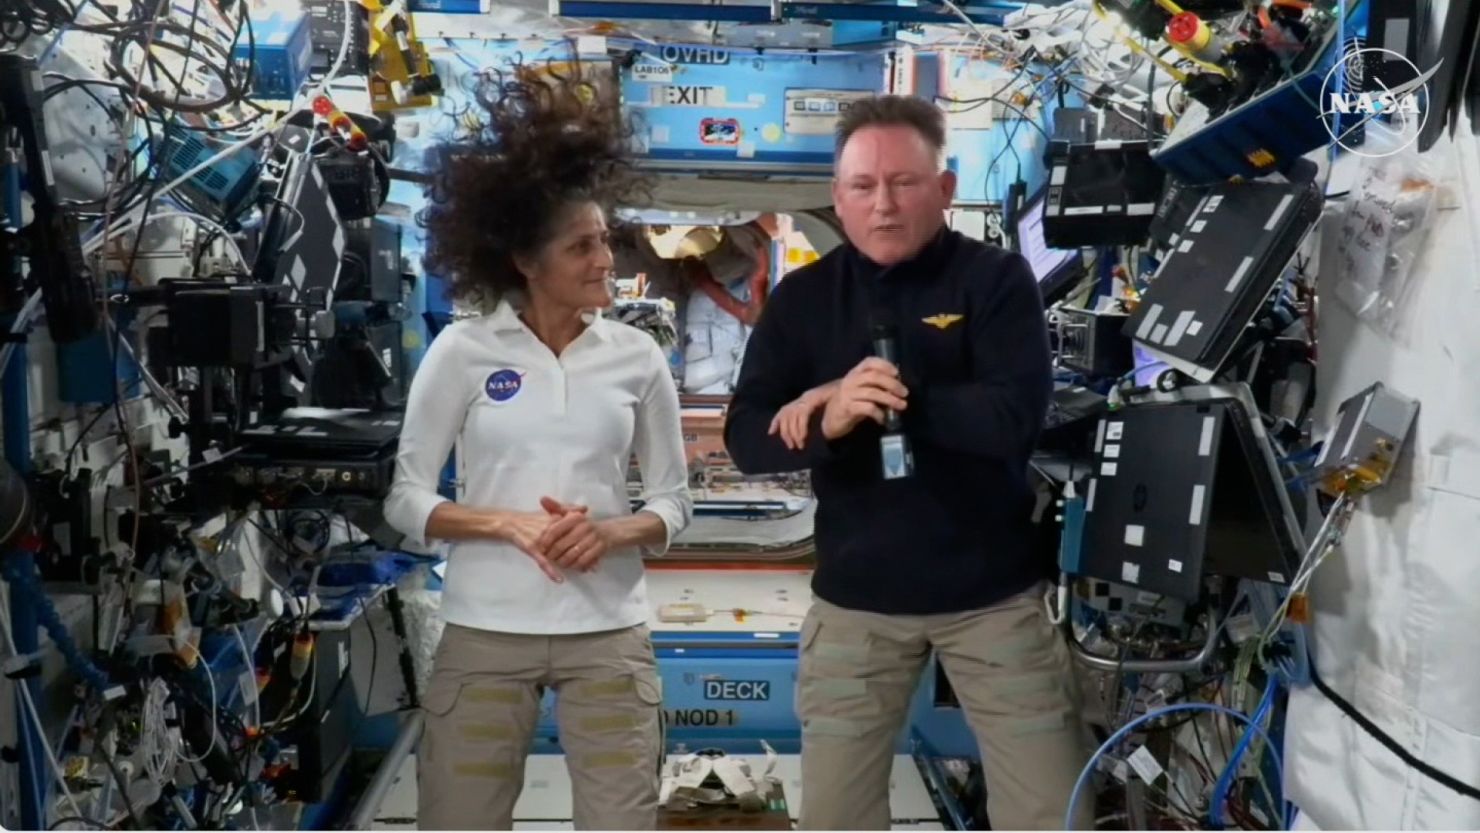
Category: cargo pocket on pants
<point>472,728</point>
<point>833,698</point>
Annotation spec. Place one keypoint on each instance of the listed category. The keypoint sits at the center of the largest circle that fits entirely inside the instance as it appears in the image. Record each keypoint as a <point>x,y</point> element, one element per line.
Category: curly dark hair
<point>554,136</point>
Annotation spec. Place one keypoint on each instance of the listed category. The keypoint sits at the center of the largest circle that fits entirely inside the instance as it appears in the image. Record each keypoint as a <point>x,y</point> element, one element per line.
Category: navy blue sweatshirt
<point>974,354</point>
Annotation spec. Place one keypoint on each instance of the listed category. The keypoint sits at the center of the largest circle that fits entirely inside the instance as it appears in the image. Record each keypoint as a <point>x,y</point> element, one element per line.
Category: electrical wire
<point>1377,734</point>
<point>30,704</point>
<point>1230,771</point>
<point>215,732</point>
<point>1125,730</point>
<point>249,657</point>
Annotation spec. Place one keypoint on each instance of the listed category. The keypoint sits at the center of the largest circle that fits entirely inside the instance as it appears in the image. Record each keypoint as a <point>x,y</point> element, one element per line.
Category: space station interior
<point>1253,226</point>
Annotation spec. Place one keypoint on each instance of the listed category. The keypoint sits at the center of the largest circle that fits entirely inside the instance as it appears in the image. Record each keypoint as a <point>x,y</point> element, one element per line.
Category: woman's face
<point>574,268</point>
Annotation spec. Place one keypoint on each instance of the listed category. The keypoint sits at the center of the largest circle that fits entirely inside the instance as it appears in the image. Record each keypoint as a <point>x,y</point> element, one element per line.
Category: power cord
<point>1377,734</point>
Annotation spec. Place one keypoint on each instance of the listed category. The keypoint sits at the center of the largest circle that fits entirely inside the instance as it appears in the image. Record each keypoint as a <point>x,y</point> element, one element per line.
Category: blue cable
<point>20,571</point>
<point>1225,780</point>
<point>1129,727</point>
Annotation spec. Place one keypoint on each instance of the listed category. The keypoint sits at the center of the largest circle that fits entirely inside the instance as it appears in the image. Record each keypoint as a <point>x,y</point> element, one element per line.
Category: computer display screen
<point>1045,261</point>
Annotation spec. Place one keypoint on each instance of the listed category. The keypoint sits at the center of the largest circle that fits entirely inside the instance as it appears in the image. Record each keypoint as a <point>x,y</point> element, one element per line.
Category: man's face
<point>890,193</point>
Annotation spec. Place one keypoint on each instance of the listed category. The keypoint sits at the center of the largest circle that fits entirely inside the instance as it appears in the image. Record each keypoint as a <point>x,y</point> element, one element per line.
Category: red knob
<point>1183,28</point>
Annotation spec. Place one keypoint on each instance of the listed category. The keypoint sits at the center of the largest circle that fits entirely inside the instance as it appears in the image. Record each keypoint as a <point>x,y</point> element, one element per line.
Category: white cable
<point>159,391</point>
<point>313,681</point>
<point>22,320</point>
<point>211,678</point>
<point>122,223</point>
<point>247,658</point>
<point>159,750</point>
<point>25,690</point>
<point>251,551</point>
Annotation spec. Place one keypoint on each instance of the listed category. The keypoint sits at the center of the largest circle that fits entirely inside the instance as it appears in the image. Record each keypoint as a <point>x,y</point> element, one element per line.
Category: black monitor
<point>1057,270</point>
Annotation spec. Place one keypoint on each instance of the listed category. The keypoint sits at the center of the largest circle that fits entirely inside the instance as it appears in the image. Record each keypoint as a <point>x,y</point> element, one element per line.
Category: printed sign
<point>699,718</point>
<point>707,56</point>
<point>676,95</point>
<point>737,690</point>
<point>816,112</point>
<point>652,73</point>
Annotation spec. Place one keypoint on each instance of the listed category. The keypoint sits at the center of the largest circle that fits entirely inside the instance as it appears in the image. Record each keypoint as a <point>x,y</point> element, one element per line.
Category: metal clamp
<point>1149,666</point>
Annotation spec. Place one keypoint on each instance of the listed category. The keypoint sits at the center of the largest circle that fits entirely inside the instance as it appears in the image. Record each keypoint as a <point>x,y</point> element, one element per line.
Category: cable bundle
<point>22,19</point>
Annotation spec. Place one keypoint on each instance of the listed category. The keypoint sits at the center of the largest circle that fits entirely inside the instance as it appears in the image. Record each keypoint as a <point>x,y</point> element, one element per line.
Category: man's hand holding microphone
<point>869,391</point>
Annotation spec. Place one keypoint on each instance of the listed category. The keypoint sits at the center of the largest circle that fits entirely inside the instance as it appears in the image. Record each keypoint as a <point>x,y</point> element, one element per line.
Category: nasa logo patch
<point>503,385</point>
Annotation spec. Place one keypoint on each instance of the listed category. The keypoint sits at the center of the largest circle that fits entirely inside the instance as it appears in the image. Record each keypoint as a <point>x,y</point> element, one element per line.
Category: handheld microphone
<point>894,446</point>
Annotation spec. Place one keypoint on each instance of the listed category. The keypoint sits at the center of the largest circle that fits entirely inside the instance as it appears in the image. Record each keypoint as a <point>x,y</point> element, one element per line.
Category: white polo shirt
<point>528,424</point>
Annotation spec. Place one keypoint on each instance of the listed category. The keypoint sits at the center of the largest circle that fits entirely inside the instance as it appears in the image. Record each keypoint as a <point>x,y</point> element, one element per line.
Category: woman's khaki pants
<point>482,706</point>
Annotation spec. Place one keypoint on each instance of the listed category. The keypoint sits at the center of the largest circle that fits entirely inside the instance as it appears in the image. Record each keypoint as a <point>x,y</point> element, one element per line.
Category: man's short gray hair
<point>895,110</point>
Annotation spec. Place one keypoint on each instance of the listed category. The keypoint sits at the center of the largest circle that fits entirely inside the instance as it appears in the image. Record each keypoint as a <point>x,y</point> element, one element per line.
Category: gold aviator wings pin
<point>943,320</point>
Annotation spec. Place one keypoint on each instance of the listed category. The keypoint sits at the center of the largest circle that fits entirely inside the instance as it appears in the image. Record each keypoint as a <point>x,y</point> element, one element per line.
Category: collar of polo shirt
<point>505,318</point>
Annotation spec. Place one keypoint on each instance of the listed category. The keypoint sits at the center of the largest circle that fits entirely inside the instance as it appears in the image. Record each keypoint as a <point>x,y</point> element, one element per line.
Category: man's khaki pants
<point>1010,671</point>
<point>482,705</point>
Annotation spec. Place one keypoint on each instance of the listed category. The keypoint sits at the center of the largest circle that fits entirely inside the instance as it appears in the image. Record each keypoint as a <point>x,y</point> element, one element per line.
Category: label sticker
<point>1145,765</point>
<point>503,385</point>
<point>701,717</point>
<point>719,131</point>
<point>1112,451</point>
<point>1109,469</point>
<point>1174,565</point>
<point>674,95</point>
<point>702,55</point>
<point>1135,535</point>
<point>1199,494</point>
<point>1115,431</point>
<point>652,73</point>
<point>1130,572</point>
<point>248,683</point>
<point>737,689</point>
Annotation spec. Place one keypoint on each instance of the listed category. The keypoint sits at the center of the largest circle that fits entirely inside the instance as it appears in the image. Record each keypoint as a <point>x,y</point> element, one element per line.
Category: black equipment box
<point>1093,343</point>
<point>375,249</point>
<point>327,19</point>
<point>1225,263</point>
<point>339,451</point>
<point>1101,194</point>
<point>324,734</point>
<point>1183,489</point>
<point>1068,425</point>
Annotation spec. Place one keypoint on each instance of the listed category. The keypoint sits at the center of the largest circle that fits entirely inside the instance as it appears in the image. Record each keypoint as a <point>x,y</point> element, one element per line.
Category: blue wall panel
<point>700,105</point>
